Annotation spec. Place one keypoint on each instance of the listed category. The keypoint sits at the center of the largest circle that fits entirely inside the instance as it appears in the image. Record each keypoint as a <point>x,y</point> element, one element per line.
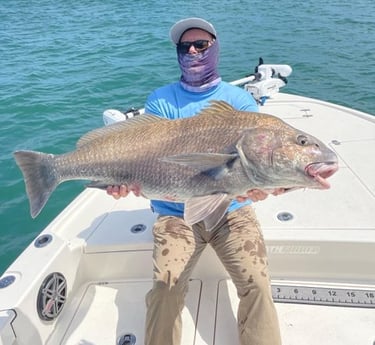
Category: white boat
<point>84,278</point>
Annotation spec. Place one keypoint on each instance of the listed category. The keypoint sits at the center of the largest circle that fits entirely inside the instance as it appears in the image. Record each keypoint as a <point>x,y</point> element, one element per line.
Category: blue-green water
<point>63,62</point>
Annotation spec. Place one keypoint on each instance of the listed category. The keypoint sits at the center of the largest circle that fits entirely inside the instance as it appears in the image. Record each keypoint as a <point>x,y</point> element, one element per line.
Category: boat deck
<point>106,309</point>
<point>320,244</point>
<point>110,310</point>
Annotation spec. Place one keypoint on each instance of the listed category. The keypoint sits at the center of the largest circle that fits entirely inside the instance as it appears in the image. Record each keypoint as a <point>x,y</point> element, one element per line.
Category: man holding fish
<point>236,238</point>
<point>201,153</point>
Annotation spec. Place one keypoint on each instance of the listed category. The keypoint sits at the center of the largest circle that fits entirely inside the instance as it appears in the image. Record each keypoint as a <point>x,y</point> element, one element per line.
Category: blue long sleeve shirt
<point>174,102</point>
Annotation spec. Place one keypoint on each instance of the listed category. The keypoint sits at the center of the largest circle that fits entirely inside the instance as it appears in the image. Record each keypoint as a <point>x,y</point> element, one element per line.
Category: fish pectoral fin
<point>209,208</point>
<point>212,164</point>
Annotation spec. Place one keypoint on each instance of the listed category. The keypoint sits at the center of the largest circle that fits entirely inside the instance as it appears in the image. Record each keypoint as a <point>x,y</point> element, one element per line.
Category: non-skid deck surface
<point>108,311</point>
<point>302,324</point>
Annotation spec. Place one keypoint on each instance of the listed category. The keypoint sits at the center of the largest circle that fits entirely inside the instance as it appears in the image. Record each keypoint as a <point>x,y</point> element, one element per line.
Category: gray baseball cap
<point>181,26</point>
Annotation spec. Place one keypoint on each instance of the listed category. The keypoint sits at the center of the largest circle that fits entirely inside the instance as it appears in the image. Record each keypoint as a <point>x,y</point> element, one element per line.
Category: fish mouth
<point>319,172</point>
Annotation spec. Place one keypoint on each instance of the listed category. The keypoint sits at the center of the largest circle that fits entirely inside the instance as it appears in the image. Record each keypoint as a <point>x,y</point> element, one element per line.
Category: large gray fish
<point>204,161</point>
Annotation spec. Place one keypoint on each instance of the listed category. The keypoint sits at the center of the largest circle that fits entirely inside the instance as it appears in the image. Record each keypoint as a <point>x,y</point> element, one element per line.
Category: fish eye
<point>302,140</point>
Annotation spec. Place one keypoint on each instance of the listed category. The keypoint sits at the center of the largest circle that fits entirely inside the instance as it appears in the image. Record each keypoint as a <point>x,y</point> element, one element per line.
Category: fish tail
<point>40,177</point>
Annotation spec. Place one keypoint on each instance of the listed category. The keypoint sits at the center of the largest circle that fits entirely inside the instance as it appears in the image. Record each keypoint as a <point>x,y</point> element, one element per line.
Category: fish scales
<point>174,137</point>
<point>214,156</point>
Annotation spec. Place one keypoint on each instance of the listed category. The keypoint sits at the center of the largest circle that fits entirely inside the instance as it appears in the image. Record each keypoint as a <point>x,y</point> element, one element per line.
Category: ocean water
<point>64,62</point>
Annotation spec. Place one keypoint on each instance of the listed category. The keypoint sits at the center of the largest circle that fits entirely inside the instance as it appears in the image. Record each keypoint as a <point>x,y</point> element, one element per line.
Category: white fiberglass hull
<point>320,244</point>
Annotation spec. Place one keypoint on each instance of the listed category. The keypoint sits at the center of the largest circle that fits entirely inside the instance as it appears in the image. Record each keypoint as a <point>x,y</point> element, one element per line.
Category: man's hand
<point>123,191</point>
<point>258,194</point>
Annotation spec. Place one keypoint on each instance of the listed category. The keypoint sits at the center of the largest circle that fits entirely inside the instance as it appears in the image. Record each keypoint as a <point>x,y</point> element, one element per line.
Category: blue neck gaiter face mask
<point>199,71</point>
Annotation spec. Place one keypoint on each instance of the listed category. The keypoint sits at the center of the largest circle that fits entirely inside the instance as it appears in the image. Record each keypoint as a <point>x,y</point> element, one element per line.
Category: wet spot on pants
<point>248,246</point>
<point>165,252</point>
<point>172,229</point>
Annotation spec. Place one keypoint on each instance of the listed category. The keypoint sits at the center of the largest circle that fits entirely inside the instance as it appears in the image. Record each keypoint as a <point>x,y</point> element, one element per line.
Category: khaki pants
<point>239,244</point>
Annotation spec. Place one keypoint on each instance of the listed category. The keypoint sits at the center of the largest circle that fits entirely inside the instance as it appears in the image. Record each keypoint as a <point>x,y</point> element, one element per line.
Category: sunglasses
<point>199,45</point>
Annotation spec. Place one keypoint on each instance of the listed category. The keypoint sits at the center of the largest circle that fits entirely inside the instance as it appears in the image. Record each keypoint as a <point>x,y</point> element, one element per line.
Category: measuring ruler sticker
<point>332,296</point>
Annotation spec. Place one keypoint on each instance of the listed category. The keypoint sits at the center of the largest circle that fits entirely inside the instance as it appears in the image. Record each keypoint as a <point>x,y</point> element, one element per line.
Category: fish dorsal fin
<point>218,109</point>
<point>140,120</point>
<point>209,208</point>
